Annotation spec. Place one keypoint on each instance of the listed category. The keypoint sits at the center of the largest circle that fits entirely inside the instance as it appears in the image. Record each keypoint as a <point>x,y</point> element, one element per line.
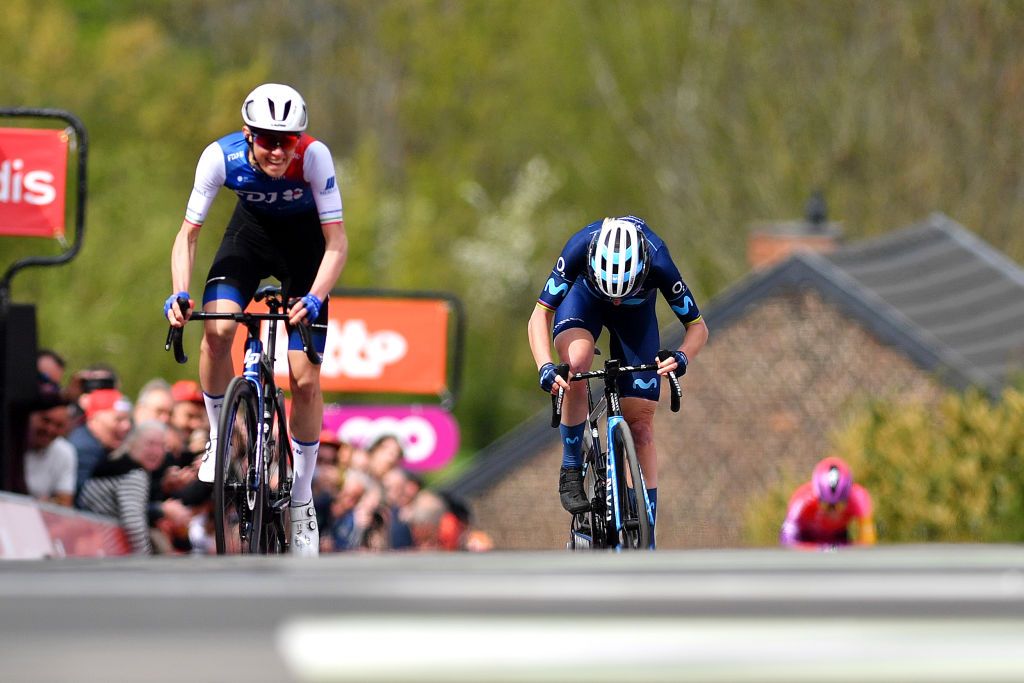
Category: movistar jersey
<point>570,270</point>
<point>309,182</point>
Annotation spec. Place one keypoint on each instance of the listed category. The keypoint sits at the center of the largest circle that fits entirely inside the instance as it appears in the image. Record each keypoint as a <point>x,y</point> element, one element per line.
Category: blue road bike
<point>253,481</point>
<point>620,515</point>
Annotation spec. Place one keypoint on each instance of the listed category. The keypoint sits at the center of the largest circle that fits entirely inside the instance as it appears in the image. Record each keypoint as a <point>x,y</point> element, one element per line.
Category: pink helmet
<point>832,481</point>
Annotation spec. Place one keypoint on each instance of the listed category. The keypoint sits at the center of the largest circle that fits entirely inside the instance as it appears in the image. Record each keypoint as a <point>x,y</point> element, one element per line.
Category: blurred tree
<point>947,473</point>
<point>701,117</point>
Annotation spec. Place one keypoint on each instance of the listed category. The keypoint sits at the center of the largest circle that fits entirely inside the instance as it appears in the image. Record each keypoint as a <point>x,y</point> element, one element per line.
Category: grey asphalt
<point>899,613</point>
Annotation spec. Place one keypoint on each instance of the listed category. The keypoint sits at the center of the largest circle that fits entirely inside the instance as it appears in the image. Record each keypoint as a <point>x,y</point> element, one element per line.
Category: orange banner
<point>33,170</point>
<point>377,345</point>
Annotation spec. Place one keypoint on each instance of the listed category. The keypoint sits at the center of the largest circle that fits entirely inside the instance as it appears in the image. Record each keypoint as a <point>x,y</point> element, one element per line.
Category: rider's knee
<point>578,365</point>
<point>642,429</point>
<point>305,388</point>
<point>218,343</point>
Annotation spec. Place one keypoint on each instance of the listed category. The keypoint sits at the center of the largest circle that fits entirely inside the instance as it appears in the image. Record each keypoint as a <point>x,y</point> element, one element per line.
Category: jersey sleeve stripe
<point>694,321</point>
<point>544,305</point>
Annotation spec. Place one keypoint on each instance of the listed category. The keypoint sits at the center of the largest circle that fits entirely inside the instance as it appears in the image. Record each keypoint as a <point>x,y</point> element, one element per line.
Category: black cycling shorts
<point>258,245</point>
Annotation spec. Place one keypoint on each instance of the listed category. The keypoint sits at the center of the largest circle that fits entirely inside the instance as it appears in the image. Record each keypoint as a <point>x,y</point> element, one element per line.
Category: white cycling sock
<point>213,406</point>
<point>305,463</point>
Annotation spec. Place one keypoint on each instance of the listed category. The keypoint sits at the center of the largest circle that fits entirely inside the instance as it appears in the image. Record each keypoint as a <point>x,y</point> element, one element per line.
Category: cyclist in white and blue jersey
<point>608,275</point>
<point>287,224</point>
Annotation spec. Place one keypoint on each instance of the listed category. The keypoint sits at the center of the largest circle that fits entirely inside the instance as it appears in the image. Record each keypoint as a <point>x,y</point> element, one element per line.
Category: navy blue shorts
<point>633,330</point>
<point>258,246</point>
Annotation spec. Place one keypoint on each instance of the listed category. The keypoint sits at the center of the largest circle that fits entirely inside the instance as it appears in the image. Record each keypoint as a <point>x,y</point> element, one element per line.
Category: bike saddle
<point>267,292</point>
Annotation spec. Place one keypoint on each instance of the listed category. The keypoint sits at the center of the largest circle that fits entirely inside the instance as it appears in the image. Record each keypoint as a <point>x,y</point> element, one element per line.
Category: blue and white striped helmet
<point>619,258</point>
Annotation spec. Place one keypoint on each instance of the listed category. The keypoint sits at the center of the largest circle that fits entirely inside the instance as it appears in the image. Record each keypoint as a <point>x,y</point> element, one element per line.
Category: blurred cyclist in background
<point>287,224</point>
<point>609,275</point>
<point>821,510</point>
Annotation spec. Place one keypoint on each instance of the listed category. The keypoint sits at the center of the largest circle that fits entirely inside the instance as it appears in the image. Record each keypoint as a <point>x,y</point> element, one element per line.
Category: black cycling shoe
<point>570,490</point>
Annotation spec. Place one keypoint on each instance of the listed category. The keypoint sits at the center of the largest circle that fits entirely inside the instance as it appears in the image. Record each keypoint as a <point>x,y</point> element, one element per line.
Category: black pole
<point>83,151</point>
<point>12,408</point>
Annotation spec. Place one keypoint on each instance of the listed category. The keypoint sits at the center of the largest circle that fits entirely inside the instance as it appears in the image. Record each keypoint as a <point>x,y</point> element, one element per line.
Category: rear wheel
<point>239,491</point>
<point>636,525</point>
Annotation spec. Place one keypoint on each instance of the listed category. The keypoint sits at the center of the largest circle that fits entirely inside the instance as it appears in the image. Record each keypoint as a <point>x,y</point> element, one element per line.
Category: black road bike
<point>620,515</point>
<point>253,481</point>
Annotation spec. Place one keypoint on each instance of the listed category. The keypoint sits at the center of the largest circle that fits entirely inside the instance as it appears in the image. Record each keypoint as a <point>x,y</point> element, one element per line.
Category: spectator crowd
<point>88,446</point>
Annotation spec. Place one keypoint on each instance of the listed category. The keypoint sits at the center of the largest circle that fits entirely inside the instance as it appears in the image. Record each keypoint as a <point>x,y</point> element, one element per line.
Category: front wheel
<point>636,522</point>
<point>239,489</point>
<point>278,469</point>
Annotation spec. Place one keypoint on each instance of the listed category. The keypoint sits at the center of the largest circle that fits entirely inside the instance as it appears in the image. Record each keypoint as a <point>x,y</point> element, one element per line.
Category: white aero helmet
<point>275,107</point>
<point>618,259</point>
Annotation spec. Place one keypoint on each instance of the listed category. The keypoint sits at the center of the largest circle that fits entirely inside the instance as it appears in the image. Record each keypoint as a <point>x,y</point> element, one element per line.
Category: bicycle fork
<point>251,372</point>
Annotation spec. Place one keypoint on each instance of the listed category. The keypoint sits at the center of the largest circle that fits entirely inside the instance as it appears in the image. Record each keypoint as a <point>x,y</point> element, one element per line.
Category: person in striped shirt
<point>119,486</point>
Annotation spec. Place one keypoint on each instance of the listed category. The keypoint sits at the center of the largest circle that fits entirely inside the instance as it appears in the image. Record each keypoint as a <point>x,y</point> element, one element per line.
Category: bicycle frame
<point>610,470</point>
<point>258,372</point>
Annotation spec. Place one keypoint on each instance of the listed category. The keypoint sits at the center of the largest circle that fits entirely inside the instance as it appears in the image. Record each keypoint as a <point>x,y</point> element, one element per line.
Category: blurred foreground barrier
<point>31,530</point>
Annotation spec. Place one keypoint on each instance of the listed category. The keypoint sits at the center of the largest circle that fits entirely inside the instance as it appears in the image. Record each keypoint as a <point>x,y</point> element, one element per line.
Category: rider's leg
<point>639,414</point>
<point>215,372</point>
<point>575,346</point>
<point>305,422</point>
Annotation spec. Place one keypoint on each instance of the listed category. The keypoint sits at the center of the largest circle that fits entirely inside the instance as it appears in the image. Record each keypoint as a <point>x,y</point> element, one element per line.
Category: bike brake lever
<point>175,335</point>
<point>307,345</point>
<point>556,401</point>
<point>677,392</point>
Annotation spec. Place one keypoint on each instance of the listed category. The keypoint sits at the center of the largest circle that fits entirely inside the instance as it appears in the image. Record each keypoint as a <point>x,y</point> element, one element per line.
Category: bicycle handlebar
<point>673,381</point>
<point>175,334</point>
<point>563,372</point>
<point>556,401</point>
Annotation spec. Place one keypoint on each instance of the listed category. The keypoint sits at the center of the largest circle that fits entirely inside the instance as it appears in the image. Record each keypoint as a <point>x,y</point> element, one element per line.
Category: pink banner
<point>429,435</point>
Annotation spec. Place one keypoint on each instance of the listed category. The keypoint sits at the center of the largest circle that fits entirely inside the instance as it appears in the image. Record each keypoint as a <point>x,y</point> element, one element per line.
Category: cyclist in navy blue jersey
<point>608,275</point>
<point>287,224</point>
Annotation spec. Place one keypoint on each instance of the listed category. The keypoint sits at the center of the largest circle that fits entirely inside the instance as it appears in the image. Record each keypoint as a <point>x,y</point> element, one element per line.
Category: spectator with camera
<point>108,419</point>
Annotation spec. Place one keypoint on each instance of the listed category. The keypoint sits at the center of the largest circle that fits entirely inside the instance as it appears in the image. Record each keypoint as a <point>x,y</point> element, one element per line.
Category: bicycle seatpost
<point>556,401</point>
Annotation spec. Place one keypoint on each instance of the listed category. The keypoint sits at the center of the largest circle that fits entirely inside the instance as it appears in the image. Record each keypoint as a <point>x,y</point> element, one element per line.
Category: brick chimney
<point>770,243</point>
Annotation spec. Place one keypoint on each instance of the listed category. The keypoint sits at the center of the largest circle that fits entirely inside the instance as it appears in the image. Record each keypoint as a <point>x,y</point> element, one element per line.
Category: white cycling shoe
<point>305,533</point>
<point>208,467</point>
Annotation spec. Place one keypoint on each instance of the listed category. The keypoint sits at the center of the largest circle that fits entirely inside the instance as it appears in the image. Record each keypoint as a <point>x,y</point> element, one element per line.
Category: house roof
<point>949,301</point>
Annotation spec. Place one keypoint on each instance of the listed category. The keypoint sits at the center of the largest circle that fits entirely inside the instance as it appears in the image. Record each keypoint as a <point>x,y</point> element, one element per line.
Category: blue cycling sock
<point>572,445</point>
<point>652,495</point>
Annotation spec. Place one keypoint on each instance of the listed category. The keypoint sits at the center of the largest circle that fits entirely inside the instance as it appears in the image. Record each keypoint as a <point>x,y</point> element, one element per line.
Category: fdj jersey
<point>308,182</point>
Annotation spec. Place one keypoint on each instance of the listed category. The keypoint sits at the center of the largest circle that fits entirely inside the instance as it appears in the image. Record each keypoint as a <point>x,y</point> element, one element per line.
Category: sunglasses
<point>271,141</point>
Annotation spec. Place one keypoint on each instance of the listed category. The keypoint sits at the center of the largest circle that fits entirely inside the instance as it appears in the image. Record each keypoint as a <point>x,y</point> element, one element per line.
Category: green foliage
<point>466,130</point>
<point>950,472</point>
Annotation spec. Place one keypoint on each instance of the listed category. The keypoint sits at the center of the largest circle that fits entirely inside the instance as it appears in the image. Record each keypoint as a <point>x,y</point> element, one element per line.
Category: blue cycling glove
<point>172,298</point>
<point>682,360</point>
<point>548,373</point>
<point>313,305</point>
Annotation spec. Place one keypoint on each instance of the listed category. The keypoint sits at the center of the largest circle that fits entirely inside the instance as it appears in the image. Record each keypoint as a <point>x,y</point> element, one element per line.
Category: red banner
<point>377,345</point>
<point>33,170</point>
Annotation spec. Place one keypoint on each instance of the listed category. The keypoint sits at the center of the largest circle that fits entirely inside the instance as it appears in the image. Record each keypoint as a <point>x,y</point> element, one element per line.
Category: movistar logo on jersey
<point>572,440</point>
<point>640,384</point>
<point>685,308</point>
<point>554,290</point>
